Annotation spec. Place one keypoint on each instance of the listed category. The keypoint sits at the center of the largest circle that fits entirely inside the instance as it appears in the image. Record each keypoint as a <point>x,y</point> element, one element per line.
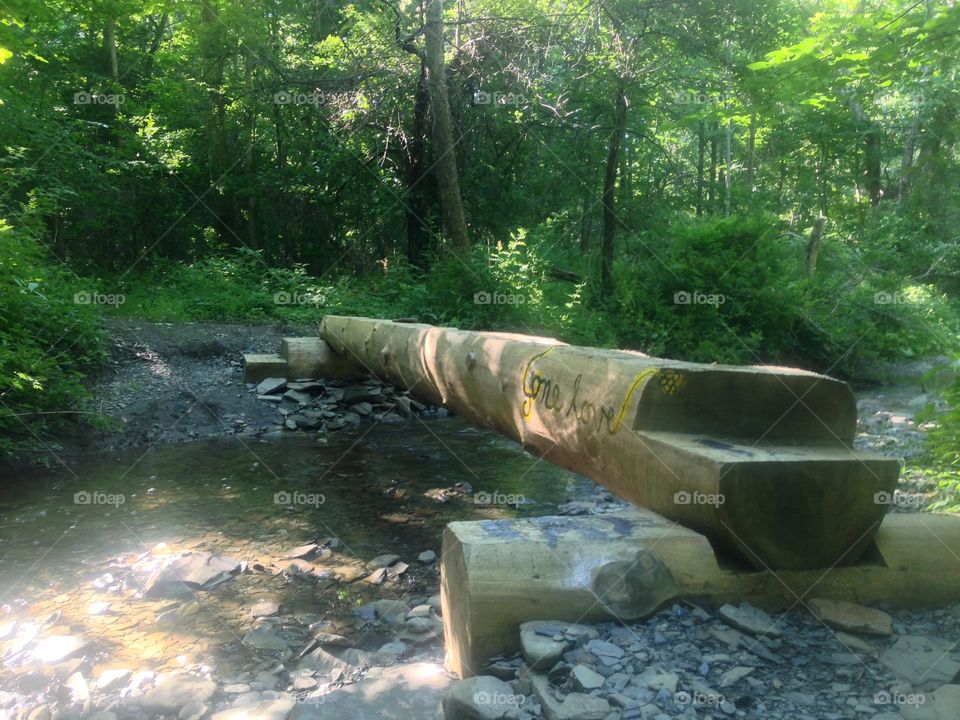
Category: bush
<point>47,341</point>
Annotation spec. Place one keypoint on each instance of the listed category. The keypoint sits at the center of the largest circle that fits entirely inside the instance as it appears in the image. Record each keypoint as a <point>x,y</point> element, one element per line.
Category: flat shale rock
<point>853,618</point>
<point>272,709</point>
<point>545,641</point>
<point>922,660</point>
<point>481,698</point>
<point>749,619</point>
<point>173,691</point>
<point>403,692</point>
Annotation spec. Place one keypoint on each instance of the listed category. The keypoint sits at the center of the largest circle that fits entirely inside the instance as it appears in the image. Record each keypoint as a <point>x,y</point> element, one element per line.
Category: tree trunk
<point>813,245</point>
<point>586,220</point>
<point>416,207</point>
<point>712,187</point>
<point>701,152</point>
<point>751,153</point>
<point>110,42</point>
<point>906,167</point>
<point>727,176</point>
<point>609,188</point>
<point>445,161</point>
<point>213,56</point>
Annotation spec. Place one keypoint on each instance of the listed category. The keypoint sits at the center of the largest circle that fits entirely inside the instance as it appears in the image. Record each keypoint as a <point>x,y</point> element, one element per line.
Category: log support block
<point>497,574</point>
<point>260,366</point>
<point>311,357</point>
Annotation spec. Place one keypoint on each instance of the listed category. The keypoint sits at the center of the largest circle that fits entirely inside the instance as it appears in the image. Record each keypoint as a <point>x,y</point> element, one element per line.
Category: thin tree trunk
<point>701,152</point>
<point>416,192</point>
<point>712,187</point>
<point>813,245</point>
<point>727,175</point>
<point>906,167</point>
<point>751,154</point>
<point>609,188</point>
<point>110,41</point>
<point>586,220</point>
<point>445,161</point>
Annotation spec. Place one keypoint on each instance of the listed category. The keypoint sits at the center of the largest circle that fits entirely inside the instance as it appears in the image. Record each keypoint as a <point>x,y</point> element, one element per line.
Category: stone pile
<point>833,661</point>
<point>332,405</point>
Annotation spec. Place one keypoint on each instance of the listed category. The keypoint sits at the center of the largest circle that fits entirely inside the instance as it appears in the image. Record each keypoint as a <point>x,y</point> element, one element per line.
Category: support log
<point>310,357</point>
<point>758,458</point>
<point>497,574</point>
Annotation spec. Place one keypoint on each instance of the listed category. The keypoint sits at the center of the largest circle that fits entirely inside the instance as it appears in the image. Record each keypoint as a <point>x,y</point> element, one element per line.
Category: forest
<point>733,181</point>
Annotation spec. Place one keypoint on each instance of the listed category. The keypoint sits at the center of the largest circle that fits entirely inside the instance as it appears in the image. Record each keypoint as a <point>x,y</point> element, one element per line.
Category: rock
<point>583,678</point>
<point>377,577</point>
<point>545,641</point>
<point>575,706</point>
<point>271,385</point>
<point>57,648</point>
<point>427,557</point>
<point>348,573</point>
<point>236,688</point>
<point>263,638</point>
<point>418,625</point>
<point>302,551</point>
<point>481,698</point>
<point>98,608</point>
<point>921,660</point>
<point>655,679</point>
<point>193,711</point>
<point>390,611</point>
<point>435,602</point>
<point>403,692</point>
<point>264,608</point>
<point>734,675</point>
<point>606,652</point>
<point>363,409</point>
<point>749,619</point>
<point>855,644</point>
<point>102,715</point>
<point>942,704</point>
<point>420,611</point>
<point>421,630</point>
<point>382,561</point>
<point>196,570</point>
<point>851,617</point>
<point>78,687</point>
<point>325,660</point>
<point>272,709</point>
<point>301,398</point>
<point>174,691</point>
<point>112,679</point>
<point>392,651</point>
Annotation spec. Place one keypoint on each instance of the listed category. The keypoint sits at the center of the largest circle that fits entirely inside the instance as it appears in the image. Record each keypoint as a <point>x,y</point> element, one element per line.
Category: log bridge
<point>746,480</point>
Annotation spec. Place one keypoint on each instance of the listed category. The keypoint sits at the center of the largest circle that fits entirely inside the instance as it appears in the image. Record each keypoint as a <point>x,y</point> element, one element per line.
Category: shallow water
<point>376,490</point>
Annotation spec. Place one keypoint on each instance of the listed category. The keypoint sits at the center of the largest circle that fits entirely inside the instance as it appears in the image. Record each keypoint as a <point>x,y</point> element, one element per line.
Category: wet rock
<point>194,711</point>
<point>272,709</point>
<point>303,551</point>
<point>583,678</point>
<point>655,679</point>
<point>102,715</point>
<point>418,625</point>
<point>606,652</point>
<point>325,660</point>
<point>98,608</point>
<point>270,386</point>
<point>480,698</point>
<point>195,571</point>
<point>382,561</point>
<point>421,630</point>
<point>263,638</point>
<point>420,611</point>
<point>236,688</point>
<point>112,679</point>
<point>851,617</point>
<point>377,577</point>
<point>173,691</point>
<point>403,692</point>
<point>734,675</point>
<point>78,687</point>
<point>922,660</point>
<point>749,619</point>
<point>427,557</point>
<point>390,611</point>
<point>264,608</point>
<point>57,648</point>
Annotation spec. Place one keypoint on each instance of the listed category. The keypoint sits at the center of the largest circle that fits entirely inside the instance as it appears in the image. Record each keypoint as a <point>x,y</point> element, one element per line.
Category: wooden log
<point>497,574</point>
<point>759,458</point>
<point>311,357</point>
<point>260,366</point>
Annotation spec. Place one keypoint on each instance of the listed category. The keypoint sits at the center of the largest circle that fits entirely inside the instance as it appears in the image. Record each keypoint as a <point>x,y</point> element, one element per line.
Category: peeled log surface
<point>758,458</point>
<point>497,574</point>
<point>310,357</point>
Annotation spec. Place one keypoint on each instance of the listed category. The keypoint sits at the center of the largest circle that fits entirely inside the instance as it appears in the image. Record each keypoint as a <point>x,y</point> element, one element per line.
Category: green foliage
<point>47,342</point>
<point>944,443</point>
